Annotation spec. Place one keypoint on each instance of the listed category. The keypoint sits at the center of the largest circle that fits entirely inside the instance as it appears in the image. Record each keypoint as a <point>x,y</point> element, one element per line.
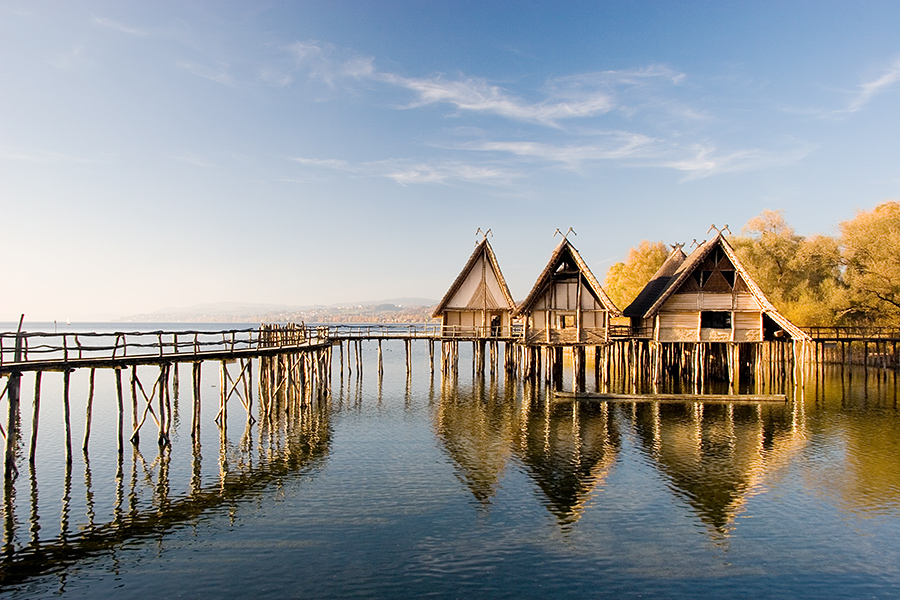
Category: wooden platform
<point>706,398</point>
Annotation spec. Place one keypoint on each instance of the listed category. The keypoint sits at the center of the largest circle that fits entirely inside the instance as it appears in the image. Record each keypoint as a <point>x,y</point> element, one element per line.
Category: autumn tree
<point>870,248</point>
<point>800,276</point>
<point>625,280</point>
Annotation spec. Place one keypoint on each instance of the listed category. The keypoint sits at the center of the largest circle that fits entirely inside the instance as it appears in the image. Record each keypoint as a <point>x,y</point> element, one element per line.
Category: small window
<point>566,321</point>
<point>715,319</point>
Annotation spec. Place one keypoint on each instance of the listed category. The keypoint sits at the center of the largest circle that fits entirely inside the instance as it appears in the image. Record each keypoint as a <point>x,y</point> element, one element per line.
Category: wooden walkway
<point>25,351</point>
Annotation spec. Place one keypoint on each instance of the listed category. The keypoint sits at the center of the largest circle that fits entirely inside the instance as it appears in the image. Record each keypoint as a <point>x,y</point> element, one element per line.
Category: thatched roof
<point>654,300</point>
<point>658,284</point>
<point>483,248</point>
<point>565,250</point>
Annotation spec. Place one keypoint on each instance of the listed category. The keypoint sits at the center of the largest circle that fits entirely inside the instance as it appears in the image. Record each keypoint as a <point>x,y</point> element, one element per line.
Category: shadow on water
<point>285,448</point>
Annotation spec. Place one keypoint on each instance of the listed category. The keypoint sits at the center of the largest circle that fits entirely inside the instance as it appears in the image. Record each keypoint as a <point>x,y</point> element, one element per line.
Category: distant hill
<point>393,310</point>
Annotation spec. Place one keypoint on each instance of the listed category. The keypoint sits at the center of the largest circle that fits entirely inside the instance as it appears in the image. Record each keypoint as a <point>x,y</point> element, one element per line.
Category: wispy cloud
<point>406,172</point>
<point>705,160</point>
<point>120,27</point>
<point>619,145</point>
<point>565,98</point>
<point>326,163</point>
<point>69,59</point>
<point>446,172</point>
<point>870,89</point>
<point>196,160</point>
<point>479,96</point>
<point>859,97</point>
<point>326,63</point>
<point>219,73</point>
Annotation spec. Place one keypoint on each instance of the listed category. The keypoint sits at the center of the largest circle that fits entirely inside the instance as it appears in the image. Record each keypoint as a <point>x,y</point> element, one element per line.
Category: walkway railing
<point>41,347</point>
<point>853,333</point>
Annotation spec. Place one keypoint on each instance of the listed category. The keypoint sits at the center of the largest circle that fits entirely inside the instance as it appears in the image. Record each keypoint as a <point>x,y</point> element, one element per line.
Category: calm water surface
<point>410,487</point>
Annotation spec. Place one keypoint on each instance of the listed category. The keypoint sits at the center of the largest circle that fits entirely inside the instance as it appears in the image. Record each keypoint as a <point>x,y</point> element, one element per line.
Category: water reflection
<point>716,456</point>
<point>284,448</point>
<point>713,456</point>
<point>568,449</point>
<point>857,412</point>
<point>477,431</point>
<point>565,448</point>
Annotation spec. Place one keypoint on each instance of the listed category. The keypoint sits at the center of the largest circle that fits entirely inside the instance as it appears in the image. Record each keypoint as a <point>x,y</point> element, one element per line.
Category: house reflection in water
<point>566,453</point>
<point>568,450</point>
<point>477,429</point>
<point>713,456</point>
<point>716,456</point>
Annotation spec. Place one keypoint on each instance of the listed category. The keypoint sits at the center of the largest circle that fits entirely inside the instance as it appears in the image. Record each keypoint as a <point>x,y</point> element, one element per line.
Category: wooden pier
<point>295,361</point>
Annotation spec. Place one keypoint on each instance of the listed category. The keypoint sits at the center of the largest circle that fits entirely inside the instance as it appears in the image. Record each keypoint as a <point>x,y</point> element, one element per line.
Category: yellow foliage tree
<point>800,276</point>
<point>625,280</point>
<point>870,245</point>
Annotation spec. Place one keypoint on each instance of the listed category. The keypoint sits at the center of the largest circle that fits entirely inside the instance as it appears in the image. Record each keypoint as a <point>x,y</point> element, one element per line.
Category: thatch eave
<point>483,247</point>
<point>546,276</point>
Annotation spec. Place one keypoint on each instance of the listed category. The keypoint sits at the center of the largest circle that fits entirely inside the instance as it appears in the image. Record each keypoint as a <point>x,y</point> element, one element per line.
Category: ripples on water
<point>410,487</point>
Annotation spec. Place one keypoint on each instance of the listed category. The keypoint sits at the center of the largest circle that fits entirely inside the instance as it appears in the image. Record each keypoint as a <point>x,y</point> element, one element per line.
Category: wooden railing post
<point>13,416</point>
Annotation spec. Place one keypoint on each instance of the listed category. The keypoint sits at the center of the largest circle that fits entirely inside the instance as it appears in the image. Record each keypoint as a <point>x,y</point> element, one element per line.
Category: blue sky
<point>157,154</point>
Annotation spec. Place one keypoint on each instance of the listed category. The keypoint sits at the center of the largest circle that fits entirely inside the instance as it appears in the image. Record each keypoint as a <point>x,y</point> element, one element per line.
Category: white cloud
<point>70,59</point>
<point>620,146</point>
<point>275,77</point>
<point>446,172</point>
<point>870,89</point>
<point>218,74</point>
<point>196,160</point>
<point>407,172</point>
<point>480,96</point>
<point>116,26</point>
<point>705,160</point>
<point>326,163</point>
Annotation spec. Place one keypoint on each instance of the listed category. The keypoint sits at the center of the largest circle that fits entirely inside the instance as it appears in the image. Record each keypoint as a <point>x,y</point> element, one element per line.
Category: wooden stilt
<point>88,410</point>
<point>67,416</point>
<point>35,415</point>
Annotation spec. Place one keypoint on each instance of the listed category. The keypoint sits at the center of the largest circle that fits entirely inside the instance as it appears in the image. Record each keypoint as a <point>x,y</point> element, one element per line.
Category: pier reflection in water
<point>409,485</point>
<point>148,490</point>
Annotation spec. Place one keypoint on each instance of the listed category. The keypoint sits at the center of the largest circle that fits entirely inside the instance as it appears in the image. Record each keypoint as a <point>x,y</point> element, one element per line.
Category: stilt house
<point>567,306</point>
<point>707,297</point>
<point>478,304</point>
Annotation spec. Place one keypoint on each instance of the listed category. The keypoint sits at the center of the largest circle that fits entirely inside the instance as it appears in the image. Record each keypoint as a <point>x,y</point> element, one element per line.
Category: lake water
<point>406,487</point>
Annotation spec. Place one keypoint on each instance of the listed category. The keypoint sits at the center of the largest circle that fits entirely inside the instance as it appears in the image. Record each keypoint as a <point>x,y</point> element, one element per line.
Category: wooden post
<point>12,420</point>
<point>408,344</point>
<point>88,410</point>
<point>35,415</point>
<point>223,401</point>
<point>380,360</point>
<point>136,435</point>
<point>195,405</point>
<point>67,415</point>
<point>431,356</point>
<point>121,410</point>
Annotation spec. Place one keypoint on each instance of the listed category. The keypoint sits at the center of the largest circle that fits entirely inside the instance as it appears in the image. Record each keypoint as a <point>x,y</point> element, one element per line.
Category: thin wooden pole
<point>121,408</point>
<point>13,414</point>
<point>135,435</point>
<point>35,415</point>
<point>68,419</point>
<point>88,411</point>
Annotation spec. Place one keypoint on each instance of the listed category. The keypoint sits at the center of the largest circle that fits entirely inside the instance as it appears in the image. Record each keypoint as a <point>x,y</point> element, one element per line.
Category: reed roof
<point>565,250</point>
<point>669,284</point>
<point>658,284</point>
<point>482,248</point>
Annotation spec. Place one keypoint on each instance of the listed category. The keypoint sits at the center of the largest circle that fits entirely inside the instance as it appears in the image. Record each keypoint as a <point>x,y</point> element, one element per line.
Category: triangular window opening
<point>729,277</point>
